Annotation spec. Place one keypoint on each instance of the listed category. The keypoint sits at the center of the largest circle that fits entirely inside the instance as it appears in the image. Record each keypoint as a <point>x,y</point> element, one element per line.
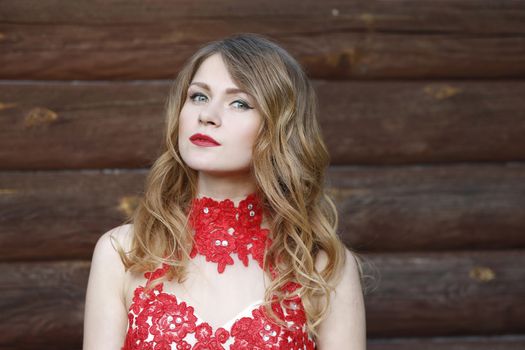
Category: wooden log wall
<point>425,100</point>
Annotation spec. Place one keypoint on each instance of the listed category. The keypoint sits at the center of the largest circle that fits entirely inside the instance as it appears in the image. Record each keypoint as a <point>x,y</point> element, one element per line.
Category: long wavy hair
<point>289,163</point>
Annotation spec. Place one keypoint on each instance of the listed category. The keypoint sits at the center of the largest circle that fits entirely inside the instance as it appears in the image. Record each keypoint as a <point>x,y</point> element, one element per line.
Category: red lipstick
<point>203,140</point>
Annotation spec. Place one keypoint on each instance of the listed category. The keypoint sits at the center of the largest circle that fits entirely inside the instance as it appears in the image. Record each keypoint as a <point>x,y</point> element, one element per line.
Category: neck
<point>222,228</point>
<point>219,187</point>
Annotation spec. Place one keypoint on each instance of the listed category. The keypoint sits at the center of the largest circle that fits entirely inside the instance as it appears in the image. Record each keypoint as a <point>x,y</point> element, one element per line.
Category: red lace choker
<point>222,229</point>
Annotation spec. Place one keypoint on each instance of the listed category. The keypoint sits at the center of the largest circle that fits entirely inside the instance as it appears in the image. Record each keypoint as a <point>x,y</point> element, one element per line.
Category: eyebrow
<point>228,91</point>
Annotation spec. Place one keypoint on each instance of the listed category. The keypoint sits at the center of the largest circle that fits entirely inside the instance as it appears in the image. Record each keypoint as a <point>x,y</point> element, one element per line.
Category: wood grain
<point>72,125</point>
<point>431,89</point>
<point>511,342</point>
<point>333,39</point>
<point>42,305</point>
<point>460,207</point>
<point>458,293</point>
<point>60,214</point>
<point>414,294</point>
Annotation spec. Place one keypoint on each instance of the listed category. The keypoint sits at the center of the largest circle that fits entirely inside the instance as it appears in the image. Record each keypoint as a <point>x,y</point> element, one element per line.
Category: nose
<point>210,114</point>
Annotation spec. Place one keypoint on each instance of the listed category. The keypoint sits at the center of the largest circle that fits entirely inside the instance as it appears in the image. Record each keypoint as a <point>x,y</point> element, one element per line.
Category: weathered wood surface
<point>57,125</point>
<point>415,294</point>
<point>42,304</point>
<point>60,215</point>
<point>452,293</point>
<point>332,39</point>
<point>512,342</point>
<point>80,125</point>
<point>458,207</point>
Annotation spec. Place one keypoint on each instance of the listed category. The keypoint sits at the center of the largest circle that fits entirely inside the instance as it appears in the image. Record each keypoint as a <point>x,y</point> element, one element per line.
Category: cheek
<point>250,131</point>
<point>255,131</point>
<point>253,136</point>
<point>182,127</point>
<point>183,131</point>
<point>183,121</point>
<point>244,139</point>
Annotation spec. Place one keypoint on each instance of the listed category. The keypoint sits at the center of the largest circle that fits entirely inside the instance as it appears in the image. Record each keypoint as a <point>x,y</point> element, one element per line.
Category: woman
<point>234,243</point>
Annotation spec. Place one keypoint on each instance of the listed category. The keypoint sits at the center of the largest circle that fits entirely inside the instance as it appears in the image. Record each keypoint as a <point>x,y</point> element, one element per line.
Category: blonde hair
<point>289,164</point>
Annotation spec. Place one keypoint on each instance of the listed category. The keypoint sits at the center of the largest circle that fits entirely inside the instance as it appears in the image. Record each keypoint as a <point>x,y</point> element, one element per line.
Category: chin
<point>222,171</point>
<point>213,163</point>
<point>217,169</point>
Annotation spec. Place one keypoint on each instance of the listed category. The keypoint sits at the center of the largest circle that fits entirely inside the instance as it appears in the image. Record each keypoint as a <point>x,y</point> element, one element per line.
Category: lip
<point>203,140</point>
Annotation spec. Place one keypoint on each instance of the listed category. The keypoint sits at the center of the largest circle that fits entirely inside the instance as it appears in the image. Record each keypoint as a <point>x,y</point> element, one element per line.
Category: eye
<point>198,97</point>
<point>195,95</point>
<point>243,105</point>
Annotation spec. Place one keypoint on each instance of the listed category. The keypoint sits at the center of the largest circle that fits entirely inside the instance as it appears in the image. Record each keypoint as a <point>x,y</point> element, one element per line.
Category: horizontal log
<point>432,294</point>
<point>505,16</point>
<point>81,125</point>
<point>56,125</point>
<point>60,215</point>
<point>431,207</point>
<point>512,342</point>
<point>422,122</point>
<point>450,293</point>
<point>42,305</point>
<point>336,39</point>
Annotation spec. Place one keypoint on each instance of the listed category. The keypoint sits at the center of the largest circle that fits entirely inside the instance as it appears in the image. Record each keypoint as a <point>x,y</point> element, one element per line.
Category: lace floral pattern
<point>221,229</point>
<point>158,321</point>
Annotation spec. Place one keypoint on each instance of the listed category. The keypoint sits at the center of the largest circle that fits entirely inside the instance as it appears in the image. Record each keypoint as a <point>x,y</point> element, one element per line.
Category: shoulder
<point>105,316</point>
<point>118,236</point>
<point>350,281</point>
<point>345,320</point>
<point>106,249</point>
<point>107,268</point>
<point>350,270</point>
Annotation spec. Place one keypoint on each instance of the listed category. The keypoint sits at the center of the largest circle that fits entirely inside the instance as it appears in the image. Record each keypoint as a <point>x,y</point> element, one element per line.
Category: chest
<point>169,319</point>
<point>215,297</point>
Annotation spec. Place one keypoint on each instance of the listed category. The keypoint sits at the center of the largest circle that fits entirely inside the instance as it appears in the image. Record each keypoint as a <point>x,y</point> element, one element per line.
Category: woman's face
<point>215,109</point>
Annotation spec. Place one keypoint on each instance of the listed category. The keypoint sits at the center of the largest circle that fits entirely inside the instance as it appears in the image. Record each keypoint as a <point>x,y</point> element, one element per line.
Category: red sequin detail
<point>221,229</point>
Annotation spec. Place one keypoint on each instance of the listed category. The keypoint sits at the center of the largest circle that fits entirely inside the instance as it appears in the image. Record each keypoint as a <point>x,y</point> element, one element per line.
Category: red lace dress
<point>161,321</point>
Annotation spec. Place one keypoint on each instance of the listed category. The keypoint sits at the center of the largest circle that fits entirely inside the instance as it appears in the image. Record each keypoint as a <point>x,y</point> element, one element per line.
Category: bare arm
<point>105,317</point>
<point>344,327</point>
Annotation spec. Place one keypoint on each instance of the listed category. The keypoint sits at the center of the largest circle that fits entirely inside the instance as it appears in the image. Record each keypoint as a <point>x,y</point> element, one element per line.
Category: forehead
<point>213,70</point>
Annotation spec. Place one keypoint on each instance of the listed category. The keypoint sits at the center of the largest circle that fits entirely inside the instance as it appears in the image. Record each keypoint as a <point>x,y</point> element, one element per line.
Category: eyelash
<point>244,104</point>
